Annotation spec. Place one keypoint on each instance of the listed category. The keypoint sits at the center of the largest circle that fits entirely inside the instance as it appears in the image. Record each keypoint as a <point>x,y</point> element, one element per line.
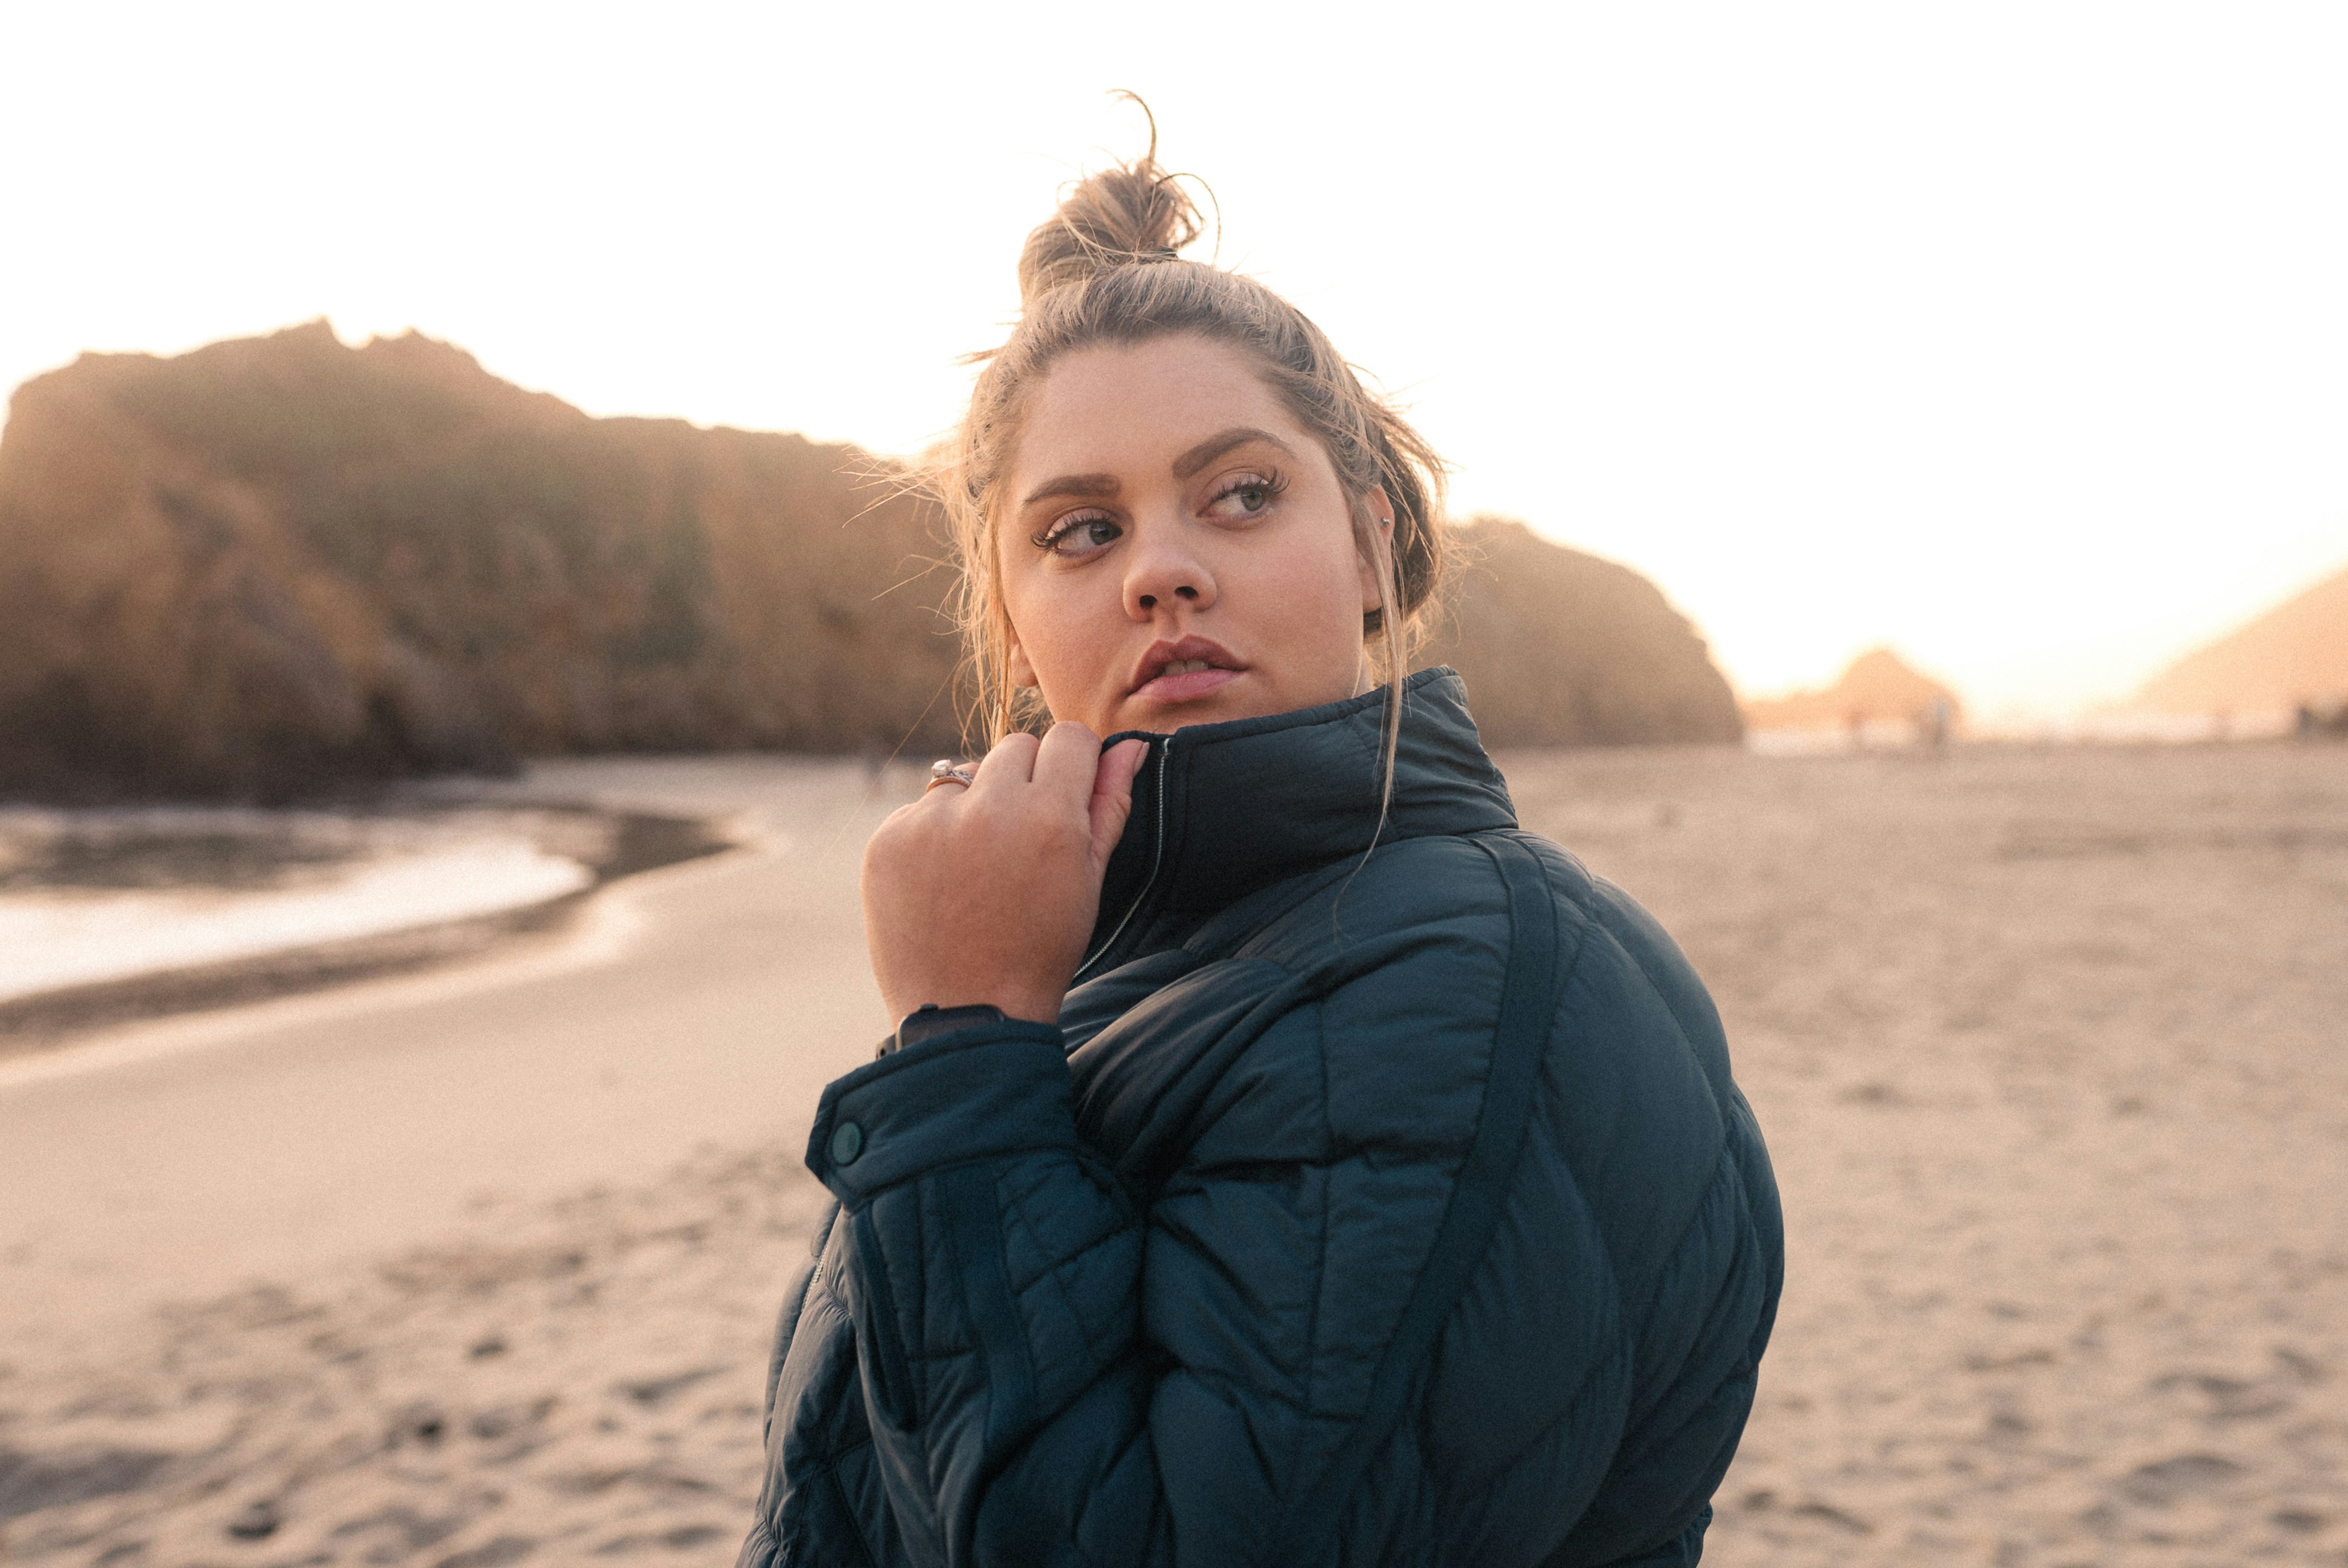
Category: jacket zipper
<point>1157,855</point>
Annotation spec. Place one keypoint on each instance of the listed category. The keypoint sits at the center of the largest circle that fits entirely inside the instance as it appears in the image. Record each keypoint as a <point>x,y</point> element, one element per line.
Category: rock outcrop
<point>1878,688</point>
<point>1560,648</point>
<point>279,565</point>
<point>2295,655</point>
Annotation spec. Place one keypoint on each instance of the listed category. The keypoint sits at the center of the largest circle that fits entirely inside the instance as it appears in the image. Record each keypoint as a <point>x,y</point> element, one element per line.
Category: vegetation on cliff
<point>1560,648</point>
<point>279,564</point>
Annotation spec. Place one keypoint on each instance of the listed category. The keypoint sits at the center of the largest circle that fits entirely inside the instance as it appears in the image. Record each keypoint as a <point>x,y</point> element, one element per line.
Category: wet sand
<point>480,1267</point>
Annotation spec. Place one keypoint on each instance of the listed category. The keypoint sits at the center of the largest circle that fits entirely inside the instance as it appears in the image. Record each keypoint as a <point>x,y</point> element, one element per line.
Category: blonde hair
<point>1105,269</point>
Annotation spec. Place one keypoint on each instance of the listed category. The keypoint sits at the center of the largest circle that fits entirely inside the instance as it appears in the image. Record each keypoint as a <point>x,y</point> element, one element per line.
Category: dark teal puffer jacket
<point>1390,1212</point>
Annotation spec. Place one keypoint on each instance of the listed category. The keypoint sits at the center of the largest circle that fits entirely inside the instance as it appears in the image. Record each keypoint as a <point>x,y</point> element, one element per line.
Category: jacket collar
<point>1220,810</point>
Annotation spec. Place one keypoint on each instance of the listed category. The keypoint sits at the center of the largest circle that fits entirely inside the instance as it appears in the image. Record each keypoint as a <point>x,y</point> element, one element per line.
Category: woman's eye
<point>1081,536</point>
<point>1245,498</point>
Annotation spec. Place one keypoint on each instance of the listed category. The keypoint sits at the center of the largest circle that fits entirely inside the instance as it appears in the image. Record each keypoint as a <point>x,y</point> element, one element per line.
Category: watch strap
<point>929,1019</point>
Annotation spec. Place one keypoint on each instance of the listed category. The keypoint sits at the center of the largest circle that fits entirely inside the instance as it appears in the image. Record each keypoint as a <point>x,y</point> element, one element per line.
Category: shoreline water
<point>490,877</point>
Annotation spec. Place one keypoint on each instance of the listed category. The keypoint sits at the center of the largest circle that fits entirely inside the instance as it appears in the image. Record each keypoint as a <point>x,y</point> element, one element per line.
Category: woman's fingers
<point>1069,766</point>
<point>1067,761</point>
<point>1112,800</point>
<point>1011,762</point>
<point>1031,835</point>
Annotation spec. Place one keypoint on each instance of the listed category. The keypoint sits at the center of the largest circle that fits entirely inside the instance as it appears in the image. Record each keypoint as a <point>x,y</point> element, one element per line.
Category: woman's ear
<point>1372,568</point>
<point>1023,674</point>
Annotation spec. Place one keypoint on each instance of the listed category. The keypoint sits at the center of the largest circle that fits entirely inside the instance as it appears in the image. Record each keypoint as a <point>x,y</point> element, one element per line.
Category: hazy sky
<point>2014,335</point>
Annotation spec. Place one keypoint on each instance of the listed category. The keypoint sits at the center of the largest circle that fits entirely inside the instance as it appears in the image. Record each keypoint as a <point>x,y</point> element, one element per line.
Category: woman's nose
<point>1160,574</point>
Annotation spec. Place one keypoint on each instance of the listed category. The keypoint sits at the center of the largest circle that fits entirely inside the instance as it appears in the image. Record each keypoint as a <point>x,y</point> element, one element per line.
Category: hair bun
<point>1126,215</point>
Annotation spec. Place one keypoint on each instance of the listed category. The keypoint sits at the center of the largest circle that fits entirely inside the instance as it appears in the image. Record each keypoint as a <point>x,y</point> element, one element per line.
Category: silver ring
<point>946,770</point>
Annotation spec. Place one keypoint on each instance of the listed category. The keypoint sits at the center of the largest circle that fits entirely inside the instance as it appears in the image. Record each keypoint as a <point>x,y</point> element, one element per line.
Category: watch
<point>929,1019</point>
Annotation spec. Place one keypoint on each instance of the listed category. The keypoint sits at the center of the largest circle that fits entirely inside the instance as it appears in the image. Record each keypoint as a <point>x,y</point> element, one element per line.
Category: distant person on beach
<point>1934,723</point>
<point>1282,1157</point>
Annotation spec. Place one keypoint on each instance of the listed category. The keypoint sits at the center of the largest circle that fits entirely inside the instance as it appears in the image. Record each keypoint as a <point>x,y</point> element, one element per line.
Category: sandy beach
<point>477,1266</point>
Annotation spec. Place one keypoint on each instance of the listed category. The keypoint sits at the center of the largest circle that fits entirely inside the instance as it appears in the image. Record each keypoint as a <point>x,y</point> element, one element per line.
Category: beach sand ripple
<point>585,1388</point>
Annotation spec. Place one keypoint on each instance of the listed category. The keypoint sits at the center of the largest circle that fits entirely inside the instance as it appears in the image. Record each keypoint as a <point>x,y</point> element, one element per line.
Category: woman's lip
<point>1189,686</point>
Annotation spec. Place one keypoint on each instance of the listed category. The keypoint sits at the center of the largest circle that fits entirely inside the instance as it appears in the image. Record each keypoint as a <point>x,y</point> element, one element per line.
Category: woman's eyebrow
<point>1215,446</point>
<point>1093,486</point>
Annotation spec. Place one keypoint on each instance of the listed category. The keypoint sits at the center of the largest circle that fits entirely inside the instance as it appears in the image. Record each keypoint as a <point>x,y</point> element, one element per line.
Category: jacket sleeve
<point>1029,1402</point>
<point>992,1272</point>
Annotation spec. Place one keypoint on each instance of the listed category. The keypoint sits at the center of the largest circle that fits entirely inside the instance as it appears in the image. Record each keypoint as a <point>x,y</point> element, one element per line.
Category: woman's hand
<point>987,894</point>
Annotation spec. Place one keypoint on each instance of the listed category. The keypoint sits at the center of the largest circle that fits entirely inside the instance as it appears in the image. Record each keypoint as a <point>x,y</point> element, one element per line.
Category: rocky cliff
<point>2295,653</point>
<point>1563,648</point>
<point>279,564</point>
<point>1877,688</point>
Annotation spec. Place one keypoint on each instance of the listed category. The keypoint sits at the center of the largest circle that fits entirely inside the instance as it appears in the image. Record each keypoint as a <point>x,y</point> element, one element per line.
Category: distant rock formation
<point>1560,648</point>
<point>1878,688</point>
<point>2293,655</point>
<point>277,565</point>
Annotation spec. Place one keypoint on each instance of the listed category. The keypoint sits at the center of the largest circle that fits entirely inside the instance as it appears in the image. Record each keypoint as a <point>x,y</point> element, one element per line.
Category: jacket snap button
<point>847,1143</point>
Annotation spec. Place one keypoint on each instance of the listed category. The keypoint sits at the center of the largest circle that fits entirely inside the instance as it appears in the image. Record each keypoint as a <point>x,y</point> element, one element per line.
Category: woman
<point>1284,1157</point>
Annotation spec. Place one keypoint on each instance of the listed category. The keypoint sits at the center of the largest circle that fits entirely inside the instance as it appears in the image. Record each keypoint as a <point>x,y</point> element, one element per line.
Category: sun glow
<point>2007,334</point>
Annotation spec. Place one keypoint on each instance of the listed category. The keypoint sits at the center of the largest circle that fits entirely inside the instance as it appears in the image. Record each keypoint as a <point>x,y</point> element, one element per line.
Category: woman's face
<point>1175,547</point>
